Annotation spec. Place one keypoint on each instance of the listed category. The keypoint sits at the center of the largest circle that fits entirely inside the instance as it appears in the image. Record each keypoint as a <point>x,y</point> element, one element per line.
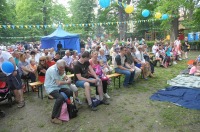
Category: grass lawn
<point>130,110</point>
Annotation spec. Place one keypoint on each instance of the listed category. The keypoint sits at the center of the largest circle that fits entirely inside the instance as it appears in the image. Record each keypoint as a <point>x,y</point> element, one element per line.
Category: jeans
<point>129,76</point>
<point>59,101</point>
<point>105,86</point>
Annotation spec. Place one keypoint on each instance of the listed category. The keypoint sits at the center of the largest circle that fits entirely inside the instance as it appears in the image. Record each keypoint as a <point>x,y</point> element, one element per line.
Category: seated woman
<point>41,69</point>
<point>141,63</point>
<point>25,71</point>
<point>94,64</point>
<point>102,57</point>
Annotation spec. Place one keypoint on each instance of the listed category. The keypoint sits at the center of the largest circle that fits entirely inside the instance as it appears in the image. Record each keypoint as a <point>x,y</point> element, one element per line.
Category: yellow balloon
<point>129,9</point>
<point>158,15</point>
<point>168,37</point>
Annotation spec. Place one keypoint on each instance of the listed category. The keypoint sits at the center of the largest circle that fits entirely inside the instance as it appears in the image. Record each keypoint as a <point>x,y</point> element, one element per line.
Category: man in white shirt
<point>68,61</point>
<point>154,48</point>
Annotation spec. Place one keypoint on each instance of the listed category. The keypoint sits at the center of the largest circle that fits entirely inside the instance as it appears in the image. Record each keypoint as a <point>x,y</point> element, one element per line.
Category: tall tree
<point>83,13</point>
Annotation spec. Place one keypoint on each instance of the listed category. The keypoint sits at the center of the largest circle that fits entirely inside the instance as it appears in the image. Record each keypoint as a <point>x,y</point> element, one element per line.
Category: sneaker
<point>104,101</point>
<point>180,59</point>
<point>174,63</point>
<point>107,96</point>
<point>92,108</point>
<point>97,97</point>
<point>78,101</point>
<point>21,104</point>
<point>2,114</point>
<point>56,121</point>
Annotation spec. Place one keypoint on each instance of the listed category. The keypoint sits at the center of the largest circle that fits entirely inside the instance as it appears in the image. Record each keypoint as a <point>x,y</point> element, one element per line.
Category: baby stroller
<point>5,92</point>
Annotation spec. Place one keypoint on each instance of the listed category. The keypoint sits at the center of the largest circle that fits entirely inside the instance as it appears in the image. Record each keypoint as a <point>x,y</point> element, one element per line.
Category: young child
<point>104,69</point>
<point>33,65</point>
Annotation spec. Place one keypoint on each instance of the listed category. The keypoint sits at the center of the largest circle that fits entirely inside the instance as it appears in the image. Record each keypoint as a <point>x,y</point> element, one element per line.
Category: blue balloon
<point>104,3</point>
<point>7,67</point>
<point>165,16</point>
<point>145,13</point>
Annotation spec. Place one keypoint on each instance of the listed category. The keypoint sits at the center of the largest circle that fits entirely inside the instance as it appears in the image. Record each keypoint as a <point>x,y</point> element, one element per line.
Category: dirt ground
<point>130,110</point>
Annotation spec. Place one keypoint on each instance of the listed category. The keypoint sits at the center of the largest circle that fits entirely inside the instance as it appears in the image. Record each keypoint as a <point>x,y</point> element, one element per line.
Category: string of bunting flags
<point>20,37</point>
<point>72,25</point>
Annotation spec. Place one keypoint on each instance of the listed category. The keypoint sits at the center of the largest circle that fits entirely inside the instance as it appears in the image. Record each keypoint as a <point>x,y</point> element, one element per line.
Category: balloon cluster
<point>130,8</point>
<point>158,15</point>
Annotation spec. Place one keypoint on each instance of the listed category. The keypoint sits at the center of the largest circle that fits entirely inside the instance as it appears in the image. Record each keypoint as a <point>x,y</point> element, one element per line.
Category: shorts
<point>14,82</point>
<point>80,83</point>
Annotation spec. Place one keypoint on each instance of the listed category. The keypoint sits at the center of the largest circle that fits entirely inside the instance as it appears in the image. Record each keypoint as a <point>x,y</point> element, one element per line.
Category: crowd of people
<point>90,68</point>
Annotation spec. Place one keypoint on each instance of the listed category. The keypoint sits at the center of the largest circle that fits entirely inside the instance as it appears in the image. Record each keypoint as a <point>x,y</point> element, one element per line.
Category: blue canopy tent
<point>68,40</point>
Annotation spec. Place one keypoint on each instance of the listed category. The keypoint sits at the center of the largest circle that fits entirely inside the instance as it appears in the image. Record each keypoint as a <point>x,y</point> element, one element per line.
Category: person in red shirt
<point>49,61</point>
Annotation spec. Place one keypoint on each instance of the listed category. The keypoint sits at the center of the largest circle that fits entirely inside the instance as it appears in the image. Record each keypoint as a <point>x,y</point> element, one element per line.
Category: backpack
<point>72,110</point>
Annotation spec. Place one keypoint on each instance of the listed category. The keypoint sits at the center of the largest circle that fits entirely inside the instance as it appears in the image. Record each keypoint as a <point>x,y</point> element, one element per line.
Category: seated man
<point>82,79</point>
<point>121,66</point>
<point>54,85</point>
<point>68,62</point>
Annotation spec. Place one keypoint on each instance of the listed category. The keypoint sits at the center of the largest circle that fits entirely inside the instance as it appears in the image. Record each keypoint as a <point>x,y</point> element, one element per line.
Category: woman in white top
<point>143,65</point>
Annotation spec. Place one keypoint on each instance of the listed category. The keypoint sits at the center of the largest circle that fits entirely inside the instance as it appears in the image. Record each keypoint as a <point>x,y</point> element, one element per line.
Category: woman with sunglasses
<point>41,69</point>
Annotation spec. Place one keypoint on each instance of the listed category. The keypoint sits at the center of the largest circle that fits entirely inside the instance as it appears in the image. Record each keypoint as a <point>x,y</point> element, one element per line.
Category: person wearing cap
<point>13,79</point>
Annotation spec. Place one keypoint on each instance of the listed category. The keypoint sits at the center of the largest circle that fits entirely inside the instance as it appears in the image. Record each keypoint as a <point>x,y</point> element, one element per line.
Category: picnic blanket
<point>185,81</point>
<point>182,96</point>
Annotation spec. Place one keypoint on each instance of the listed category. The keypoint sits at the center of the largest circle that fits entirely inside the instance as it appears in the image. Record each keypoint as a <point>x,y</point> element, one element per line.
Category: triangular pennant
<point>86,25</point>
<point>45,26</point>
<point>89,24</point>
<point>4,26</point>
<point>8,26</point>
<point>82,25</point>
<point>26,26</point>
<point>30,26</point>
<point>41,26</point>
<point>67,25</point>
<point>21,26</point>
<point>0,26</point>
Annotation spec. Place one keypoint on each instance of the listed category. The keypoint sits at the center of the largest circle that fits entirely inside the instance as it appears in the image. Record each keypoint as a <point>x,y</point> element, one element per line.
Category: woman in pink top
<point>193,69</point>
<point>95,64</point>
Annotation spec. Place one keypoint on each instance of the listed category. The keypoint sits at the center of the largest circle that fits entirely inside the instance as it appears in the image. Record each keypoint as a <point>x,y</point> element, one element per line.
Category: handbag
<point>64,115</point>
<point>72,110</point>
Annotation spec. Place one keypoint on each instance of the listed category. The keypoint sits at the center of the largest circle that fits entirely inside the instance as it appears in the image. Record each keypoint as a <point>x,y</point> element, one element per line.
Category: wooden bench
<point>39,85</point>
<point>114,75</point>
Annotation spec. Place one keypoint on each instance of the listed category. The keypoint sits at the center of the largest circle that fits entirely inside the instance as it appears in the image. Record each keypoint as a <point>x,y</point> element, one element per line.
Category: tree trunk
<point>174,29</point>
<point>121,19</point>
